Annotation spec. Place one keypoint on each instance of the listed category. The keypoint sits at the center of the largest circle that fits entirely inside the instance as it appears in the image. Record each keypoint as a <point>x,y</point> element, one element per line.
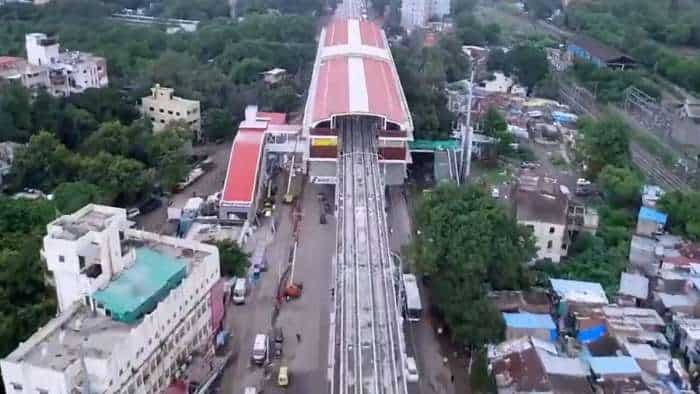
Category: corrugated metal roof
<point>580,291</point>
<point>634,285</point>
<point>529,320</point>
<point>653,215</point>
<point>621,365</point>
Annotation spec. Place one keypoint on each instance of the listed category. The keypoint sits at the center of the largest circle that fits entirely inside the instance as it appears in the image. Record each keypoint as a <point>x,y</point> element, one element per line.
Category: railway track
<point>368,345</point>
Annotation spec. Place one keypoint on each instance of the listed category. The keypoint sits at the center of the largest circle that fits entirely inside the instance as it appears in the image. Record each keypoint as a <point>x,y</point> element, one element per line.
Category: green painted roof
<point>433,145</point>
<point>139,289</point>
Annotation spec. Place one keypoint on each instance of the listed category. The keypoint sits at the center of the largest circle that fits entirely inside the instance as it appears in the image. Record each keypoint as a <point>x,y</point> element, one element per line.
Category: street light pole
<point>467,132</point>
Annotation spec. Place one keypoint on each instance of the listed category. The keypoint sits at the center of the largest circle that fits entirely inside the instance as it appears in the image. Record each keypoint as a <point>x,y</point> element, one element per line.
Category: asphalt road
<point>421,340</point>
<point>307,316</point>
<point>211,182</point>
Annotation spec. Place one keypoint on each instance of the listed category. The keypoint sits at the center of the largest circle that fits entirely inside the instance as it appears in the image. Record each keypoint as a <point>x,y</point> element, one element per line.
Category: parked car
<point>150,205</point>
<point>411,370</point>
<point>131,213</point>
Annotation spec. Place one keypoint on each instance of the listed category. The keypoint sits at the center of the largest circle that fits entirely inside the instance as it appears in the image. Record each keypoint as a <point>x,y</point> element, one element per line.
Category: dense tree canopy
<point>649,30</point>
<point>622,186</point>
<point>528,63</point>
<point>467,244</point>
<point>233,260</point>
<point>683,209</point>
<point>603,142</point>
<point>25,300</point>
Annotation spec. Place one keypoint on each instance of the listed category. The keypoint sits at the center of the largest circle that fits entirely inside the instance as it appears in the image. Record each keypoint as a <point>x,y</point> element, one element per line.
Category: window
<point>151,109</point>
<point>162,121</point>
<point>153,119</point>
<point>549,244</point>
<point>177,113</point>
<point>16,386</point>
<point>81,262</point>
<point>170,112</point>
<point>61,259</point>
<point>563,246</point>
<point>551,230</point>
<point>42,391</point>
<point>161,110</point>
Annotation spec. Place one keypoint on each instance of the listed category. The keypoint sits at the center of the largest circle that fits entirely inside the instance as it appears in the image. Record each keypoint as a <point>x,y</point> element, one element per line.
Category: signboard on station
<point>324,180</point>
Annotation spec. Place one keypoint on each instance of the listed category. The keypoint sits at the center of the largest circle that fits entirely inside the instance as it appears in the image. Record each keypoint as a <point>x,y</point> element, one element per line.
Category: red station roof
<point>354,73</point>
<point>246,153</point>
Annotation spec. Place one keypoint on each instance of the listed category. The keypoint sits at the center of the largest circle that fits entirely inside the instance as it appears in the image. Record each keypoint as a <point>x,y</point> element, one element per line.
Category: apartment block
<point>133,306</point>
<point>163,107</point>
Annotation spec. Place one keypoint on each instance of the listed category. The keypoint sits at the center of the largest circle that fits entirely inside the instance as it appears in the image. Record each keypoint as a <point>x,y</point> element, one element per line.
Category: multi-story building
<point>29,75</point>
<point>163,107</point>
<point>132,305</point>
<point>417,13</point>
<point>68,72</point>
<point>542,205</point>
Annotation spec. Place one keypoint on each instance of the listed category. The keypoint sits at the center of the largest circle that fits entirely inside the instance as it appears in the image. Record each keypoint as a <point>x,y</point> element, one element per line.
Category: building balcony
<point>323,152</point>
<point>389,153</point>
<point>323,132</point>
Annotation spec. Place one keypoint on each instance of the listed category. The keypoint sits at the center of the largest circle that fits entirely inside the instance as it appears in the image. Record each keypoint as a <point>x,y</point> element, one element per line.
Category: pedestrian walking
<point>298,337</point>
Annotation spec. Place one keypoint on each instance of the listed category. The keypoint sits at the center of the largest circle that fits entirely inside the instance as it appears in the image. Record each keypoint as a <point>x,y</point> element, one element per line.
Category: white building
<point>163,107</point>
<point>133,305</point>
<point>69,72</point>
<point>417,13</point>
<point>29,75</point>
<point>542,205</point>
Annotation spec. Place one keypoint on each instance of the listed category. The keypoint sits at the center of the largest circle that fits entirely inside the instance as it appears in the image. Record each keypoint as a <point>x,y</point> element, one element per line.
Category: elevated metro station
<point>354,76</point>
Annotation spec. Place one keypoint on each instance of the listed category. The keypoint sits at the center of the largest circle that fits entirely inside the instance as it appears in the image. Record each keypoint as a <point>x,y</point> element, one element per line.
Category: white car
<point>411,370</point>
<point>495,193</point>
<point>132,213</point>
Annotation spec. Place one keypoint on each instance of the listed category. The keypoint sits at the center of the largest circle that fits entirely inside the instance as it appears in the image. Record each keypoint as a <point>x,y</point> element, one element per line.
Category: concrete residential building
<point>133,306</point>
<point>69,72</point>
<point>29,75</point>
<point>542,205</point>
<point>417,13</point>
<point>163,107</point>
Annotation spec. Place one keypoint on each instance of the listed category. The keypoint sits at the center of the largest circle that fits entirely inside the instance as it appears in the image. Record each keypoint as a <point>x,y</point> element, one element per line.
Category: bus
<point>412,306</point>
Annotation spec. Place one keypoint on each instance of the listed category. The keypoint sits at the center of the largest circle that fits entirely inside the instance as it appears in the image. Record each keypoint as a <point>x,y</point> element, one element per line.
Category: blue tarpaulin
<point>591,334</point>
<point>652,215</point>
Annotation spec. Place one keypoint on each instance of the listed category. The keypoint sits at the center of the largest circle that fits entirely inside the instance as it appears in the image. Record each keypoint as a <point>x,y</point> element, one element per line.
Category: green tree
<point>603,142</point>
<point>123,180</point>
<point>233,260</point>
<point>529,64</point>
<point>248,70</point>
<point>622,186</point>
<point>468,244</point>
<point>218,124</point>
<point>71,196</point>
<point>111,137</point>
<point>44,163</point>
<point>683,208</point>
<point>495,125</point>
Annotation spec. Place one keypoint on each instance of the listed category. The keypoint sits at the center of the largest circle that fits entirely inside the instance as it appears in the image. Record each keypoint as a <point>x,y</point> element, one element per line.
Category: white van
<point>239,290</point>
<point>260,349</point>
<point>250,390</point>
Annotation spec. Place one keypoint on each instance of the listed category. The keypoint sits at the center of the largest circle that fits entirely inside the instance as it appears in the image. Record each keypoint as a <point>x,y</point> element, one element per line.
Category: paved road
<point>308,315</point>
<point>421,340</point>
<point>211,182</point>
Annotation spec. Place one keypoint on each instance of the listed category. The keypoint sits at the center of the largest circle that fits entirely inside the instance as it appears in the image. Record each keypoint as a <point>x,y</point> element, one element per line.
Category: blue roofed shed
<point>615,366</point>
<point>650,221</point>
<point>139,288</point>
<point>538,325</point>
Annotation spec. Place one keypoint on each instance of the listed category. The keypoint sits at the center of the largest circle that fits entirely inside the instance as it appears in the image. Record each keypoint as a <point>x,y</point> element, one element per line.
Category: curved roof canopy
<point>354,74</point>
